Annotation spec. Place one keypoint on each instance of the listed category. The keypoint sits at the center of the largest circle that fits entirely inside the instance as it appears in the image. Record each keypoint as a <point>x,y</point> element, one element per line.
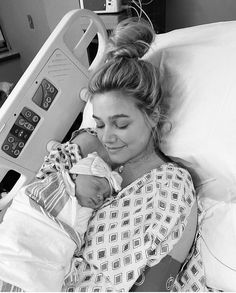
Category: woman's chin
<point>116,162</point>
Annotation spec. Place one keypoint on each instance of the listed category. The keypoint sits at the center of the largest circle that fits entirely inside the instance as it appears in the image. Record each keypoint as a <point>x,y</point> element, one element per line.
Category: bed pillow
<point>197,71</point>
<point>198,68</point>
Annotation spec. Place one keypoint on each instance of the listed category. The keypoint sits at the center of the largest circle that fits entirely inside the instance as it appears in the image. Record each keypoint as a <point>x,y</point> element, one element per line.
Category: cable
<point>141,11</point>
<point>148,19</point>
<point>135,11</point>
<point>139,5</point>
<point>147,3</point>
<point>232,269</point>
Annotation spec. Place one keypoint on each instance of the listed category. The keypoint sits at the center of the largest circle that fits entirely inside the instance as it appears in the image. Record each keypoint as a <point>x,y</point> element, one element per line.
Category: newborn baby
<point>44,226</point>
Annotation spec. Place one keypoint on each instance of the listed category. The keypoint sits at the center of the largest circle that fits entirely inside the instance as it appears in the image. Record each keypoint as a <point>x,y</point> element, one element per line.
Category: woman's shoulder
<point>168,174</point>
<point>174,178</point>
<point>174,170</point>
<point>166,171</point>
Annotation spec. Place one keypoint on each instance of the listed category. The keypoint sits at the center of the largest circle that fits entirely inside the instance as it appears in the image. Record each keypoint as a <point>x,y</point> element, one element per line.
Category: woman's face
<point>121,126</point>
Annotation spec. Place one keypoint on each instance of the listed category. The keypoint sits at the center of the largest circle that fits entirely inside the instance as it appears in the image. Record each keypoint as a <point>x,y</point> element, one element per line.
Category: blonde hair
<point>125,71</point>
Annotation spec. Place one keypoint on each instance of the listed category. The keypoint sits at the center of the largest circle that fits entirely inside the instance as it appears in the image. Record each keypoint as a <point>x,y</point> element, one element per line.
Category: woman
<point>140,237</point>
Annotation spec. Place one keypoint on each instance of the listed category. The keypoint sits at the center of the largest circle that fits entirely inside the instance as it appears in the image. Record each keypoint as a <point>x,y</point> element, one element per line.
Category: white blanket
<point>35,253</point>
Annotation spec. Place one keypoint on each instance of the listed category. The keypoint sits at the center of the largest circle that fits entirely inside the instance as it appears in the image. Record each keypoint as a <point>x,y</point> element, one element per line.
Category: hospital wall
<point>10,70</point>
<point>47,13</point>
<point>184,13</point>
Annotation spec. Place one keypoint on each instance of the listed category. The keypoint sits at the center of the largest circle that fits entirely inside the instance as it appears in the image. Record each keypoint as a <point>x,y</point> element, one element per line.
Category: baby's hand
<point>91,191</point>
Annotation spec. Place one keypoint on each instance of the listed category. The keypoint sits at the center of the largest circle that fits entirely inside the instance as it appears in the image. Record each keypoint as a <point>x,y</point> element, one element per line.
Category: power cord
<point>147,3</point>
<point>137,6</point>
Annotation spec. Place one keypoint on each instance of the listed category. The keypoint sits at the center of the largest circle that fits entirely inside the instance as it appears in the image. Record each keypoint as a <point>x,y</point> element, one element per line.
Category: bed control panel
<point>20,132</point>
<point>45,94</point>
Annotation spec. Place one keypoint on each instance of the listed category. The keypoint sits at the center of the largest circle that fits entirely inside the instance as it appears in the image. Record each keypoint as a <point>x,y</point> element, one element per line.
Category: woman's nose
<point>108,135</point>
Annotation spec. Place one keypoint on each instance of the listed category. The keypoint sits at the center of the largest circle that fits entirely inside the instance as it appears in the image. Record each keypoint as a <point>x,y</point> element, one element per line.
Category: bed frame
<point>48,98</point>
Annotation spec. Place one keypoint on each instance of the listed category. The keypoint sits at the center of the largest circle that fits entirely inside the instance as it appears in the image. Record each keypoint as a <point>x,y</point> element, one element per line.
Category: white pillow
<point>88,120</point>
<point>198,67</point>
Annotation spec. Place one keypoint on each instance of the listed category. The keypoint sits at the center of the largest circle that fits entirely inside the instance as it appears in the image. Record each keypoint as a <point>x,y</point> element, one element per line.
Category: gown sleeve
<point>174,199</point>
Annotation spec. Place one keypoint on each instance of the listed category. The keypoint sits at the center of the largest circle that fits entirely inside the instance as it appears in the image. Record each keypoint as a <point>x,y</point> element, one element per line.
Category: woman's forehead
<point>114,105</point>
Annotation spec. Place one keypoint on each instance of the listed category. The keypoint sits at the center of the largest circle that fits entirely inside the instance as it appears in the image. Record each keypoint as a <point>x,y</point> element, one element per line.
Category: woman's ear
<point>155,117</point>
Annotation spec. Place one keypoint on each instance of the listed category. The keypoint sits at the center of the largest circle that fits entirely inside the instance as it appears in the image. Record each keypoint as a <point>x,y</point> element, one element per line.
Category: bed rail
<point>47,99</point>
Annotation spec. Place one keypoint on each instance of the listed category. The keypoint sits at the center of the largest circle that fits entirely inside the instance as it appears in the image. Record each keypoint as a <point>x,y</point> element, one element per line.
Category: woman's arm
<point>160,277</point>
<point>181,248</point>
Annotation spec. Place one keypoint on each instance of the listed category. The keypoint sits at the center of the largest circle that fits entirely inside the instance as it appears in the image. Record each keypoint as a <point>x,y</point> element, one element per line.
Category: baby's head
<point>91,145</point>
<point>95,178</point>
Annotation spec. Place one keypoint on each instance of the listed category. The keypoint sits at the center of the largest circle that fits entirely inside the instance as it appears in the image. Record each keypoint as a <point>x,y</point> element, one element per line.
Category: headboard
<point>49,96</point>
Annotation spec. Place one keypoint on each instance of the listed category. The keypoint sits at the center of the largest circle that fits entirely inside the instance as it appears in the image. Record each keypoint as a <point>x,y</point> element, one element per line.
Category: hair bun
<point>130,39</point>
<point>128,51</point>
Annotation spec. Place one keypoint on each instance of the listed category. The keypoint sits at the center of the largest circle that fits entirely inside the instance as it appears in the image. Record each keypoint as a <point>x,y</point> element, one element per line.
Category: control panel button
<point>21,144</point>
<point>45,94</point>
<point>24,124</point>
<point>35,119</point>
<point>20,132</point>
<point>30,116</point>
<point>10,139</point>
<point>5,147</point>
<point>16,153</point>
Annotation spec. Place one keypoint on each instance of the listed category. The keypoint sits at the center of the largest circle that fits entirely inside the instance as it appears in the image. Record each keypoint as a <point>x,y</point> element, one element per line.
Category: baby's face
<point>91,191</point>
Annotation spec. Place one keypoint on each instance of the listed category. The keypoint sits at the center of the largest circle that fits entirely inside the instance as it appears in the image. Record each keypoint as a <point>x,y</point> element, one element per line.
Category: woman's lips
<point>113,149</point>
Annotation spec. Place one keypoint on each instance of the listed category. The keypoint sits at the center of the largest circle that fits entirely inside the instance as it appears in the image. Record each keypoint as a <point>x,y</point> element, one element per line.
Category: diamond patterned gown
<point>134,229</point>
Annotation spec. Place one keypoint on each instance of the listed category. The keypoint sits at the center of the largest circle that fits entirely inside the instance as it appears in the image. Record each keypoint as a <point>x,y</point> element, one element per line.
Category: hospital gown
<point>134,229</point>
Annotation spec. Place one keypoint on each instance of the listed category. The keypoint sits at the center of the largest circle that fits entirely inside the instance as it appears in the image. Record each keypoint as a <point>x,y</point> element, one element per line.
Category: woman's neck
<point>138,166</point>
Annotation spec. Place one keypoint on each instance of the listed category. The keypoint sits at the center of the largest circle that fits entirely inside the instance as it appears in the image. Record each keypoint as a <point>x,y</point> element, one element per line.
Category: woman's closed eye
<point>99,125</point>
<point>119,125</point>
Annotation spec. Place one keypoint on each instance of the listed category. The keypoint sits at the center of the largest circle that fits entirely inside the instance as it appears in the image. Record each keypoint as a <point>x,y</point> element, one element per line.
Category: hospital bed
<point>197,74</point>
